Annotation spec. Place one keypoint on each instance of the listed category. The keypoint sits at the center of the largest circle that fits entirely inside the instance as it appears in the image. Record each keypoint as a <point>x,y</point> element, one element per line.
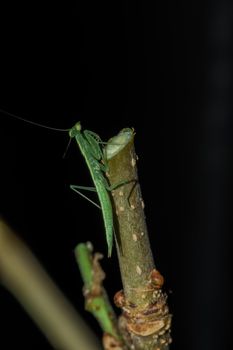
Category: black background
<point>164,69</point>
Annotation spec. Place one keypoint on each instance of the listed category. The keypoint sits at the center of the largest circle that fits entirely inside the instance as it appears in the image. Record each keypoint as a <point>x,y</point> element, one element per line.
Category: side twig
<point>96,299</point>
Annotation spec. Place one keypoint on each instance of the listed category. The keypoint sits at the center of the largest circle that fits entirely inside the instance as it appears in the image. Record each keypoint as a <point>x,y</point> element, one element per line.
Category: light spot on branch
<point>133,162</point>
<point>139,270</point>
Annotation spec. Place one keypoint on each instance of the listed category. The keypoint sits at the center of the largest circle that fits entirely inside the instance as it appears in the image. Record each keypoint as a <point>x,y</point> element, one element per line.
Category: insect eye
<point>73,131</point>
<point>78,126</point>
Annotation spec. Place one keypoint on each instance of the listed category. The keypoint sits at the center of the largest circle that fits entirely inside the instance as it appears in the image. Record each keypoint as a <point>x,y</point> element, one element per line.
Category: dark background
<point>164,69</point>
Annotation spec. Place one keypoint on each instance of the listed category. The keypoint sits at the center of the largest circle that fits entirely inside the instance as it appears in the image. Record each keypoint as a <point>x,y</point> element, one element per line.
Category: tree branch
<point>146,319</point>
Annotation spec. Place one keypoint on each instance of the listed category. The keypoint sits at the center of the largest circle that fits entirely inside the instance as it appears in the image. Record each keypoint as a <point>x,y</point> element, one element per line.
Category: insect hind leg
<point>77,189</point>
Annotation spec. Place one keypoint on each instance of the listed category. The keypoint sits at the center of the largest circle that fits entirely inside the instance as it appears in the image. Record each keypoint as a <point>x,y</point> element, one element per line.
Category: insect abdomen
<point>106,207</point>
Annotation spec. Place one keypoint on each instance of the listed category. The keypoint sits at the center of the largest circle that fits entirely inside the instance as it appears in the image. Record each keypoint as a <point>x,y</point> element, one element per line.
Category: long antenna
<point>31,122</point>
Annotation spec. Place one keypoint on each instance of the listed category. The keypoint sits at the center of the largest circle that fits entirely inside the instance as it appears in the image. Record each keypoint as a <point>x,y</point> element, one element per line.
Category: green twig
<point>96,299</point>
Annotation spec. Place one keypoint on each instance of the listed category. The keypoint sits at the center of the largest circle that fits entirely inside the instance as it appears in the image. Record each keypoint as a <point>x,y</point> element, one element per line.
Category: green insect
<point>89,145</point>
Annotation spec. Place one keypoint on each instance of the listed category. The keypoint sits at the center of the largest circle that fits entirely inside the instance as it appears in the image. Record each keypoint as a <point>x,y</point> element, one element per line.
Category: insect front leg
<point>94,142</point>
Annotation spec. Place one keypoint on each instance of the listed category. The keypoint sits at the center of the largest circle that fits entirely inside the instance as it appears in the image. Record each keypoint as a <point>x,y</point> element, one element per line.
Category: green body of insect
<point>89,144</point>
